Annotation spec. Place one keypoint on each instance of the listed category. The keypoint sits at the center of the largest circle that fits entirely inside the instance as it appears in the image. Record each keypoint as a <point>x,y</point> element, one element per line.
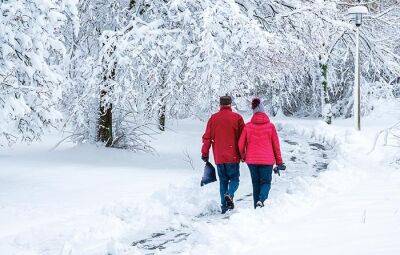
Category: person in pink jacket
<point>259,148</point>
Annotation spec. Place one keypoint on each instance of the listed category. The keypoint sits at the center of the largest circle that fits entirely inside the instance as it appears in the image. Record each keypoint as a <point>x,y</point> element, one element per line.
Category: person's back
<point>259,147</point>
<point>225,128</point>
<point>262,141</point>
<point>222,133</point>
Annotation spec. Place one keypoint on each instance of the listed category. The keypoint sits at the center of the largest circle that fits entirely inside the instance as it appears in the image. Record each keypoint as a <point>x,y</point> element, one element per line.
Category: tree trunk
<point>105,133</point>
<point>163,106</point>
<point>161,117</point>
<point>326,106</point>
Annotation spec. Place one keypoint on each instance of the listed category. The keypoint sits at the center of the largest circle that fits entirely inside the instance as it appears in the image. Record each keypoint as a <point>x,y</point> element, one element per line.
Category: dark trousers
<point>261,177</point>
<point>228,180</point>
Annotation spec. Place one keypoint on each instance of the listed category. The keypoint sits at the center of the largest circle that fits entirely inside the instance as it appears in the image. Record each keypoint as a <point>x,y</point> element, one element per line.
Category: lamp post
<point>357,13</point>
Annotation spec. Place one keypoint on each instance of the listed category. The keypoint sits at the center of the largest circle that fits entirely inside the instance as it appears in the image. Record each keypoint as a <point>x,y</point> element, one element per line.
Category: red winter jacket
<point>223,133</point>
<point>259,142</point>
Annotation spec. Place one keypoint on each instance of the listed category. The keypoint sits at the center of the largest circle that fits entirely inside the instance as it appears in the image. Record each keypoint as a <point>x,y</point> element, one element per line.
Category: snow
<point>45,193</point>
<point>88,200</point>
<point>351,209</point>
<point>146,60</point>
<point>358,10</point>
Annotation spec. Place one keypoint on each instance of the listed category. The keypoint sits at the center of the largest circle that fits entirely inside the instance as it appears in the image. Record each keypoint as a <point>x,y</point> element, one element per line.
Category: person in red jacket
<point>259,148</point>
<point>223,133</point>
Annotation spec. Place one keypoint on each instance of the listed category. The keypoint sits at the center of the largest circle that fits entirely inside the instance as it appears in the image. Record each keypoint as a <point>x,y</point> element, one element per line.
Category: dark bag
<point>209,175</point>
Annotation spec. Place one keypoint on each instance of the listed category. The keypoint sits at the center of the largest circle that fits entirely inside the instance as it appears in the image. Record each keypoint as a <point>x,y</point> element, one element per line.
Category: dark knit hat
<point>255,103</point>
<point>225,100</point>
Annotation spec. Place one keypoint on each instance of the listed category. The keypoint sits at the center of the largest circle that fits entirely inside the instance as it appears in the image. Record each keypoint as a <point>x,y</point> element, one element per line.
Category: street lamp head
<point>357,13</point>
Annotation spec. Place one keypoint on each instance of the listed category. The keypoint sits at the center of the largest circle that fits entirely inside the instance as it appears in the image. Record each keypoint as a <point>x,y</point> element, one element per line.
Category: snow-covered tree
<point>31,73</point>
<point>83,98</point>
<point>324,31</point>
<point>136,63</point>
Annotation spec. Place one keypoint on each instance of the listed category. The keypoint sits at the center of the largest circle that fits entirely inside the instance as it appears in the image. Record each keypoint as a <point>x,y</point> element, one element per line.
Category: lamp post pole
<point>357,96</point>
<point>357,13</point>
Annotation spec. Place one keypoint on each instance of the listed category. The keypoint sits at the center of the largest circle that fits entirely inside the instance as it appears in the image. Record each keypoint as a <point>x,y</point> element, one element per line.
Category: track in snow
<point>302,157</point>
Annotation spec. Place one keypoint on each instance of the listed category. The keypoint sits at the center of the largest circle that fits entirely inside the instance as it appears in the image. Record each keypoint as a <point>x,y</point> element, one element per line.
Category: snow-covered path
<point>92,201</point>
<point>306,159</point>
<point>351,209</point>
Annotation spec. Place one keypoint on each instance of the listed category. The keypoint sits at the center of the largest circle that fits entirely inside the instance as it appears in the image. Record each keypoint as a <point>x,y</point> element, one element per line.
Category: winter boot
<point>259,204</point>
<point>224,209</point>
<point>229,202</point>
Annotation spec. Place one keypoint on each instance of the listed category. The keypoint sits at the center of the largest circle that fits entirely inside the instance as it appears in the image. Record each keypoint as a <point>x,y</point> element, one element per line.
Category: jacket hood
<point>260,118</point>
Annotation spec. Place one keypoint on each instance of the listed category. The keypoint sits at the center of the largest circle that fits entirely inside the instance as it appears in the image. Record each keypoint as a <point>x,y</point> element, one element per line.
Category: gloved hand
<point>204,158</point>
<point>279,168</point>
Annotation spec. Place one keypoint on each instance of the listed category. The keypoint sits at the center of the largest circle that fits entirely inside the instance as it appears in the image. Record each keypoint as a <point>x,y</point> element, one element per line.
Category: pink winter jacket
<point>259,142</point>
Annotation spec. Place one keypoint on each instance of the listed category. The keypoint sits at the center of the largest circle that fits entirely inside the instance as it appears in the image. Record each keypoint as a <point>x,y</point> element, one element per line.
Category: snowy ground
<point>334,198</point>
